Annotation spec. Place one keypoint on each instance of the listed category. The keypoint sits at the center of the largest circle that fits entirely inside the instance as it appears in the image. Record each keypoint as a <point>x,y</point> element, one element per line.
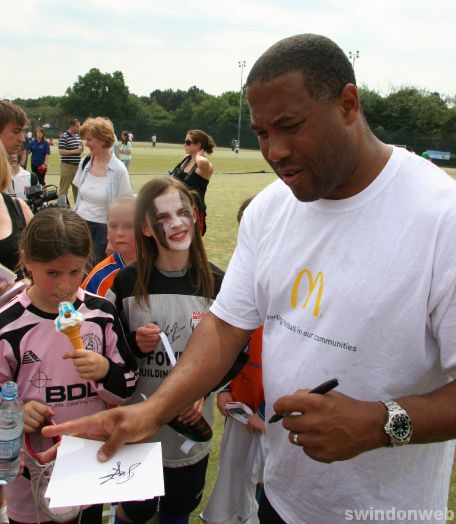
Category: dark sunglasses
<point>188,142</point>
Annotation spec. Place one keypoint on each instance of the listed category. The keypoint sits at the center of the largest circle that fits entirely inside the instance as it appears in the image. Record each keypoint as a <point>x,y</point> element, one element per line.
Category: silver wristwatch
<point>398,425</point>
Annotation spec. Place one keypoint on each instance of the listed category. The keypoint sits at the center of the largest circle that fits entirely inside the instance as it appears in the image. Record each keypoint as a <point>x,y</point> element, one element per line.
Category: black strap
<point>85,161</point>
<point>17,209</point>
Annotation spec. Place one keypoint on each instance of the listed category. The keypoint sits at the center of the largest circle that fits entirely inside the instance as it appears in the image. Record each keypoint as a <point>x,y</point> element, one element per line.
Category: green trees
<point>411,116</point>
<point>97,94</point>
<point>407,115</point>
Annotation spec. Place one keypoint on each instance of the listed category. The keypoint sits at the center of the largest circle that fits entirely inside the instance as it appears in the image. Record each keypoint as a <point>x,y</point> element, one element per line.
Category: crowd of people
<point>343,268</point>
<point>75,256</point>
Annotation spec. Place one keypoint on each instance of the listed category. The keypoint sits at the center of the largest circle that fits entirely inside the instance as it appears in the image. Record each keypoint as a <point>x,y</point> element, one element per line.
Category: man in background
<point>13,121</point>
<point>70,149</point>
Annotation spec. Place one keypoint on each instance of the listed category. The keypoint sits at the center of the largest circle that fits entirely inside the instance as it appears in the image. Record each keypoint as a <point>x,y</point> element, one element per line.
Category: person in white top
<point>125,148</point>
<point>21,179</point>
<point>348,262</point>
<point>99,180</point>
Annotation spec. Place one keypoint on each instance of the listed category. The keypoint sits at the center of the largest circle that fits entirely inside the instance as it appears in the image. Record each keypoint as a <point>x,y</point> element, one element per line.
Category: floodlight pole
<point>353,56</point>
<point>241,64</point>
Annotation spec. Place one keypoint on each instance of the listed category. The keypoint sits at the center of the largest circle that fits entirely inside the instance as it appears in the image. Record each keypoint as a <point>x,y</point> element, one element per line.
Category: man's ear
<point>349,103</point>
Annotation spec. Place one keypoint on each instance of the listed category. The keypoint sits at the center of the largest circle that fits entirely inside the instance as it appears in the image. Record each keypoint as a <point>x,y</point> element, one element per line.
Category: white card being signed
<point>134,473</point>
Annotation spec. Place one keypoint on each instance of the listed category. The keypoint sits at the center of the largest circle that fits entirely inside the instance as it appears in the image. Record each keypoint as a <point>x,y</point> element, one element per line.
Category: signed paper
<point>134,473</point>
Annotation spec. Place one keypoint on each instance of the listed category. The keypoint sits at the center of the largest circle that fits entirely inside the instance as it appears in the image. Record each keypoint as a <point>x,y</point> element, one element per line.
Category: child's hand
<point>222,399</point>
<point>147,337</point>
<point>193,413</point>
<point>35,414</point>
<point>89,365</point>
<point>255,424</point>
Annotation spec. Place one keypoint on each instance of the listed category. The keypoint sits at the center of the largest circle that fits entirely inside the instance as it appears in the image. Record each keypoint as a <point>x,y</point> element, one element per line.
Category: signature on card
<point>120,476</point>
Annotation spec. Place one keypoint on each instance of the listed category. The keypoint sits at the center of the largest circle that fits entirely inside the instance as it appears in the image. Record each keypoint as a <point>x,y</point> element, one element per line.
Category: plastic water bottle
<point>11,429</point>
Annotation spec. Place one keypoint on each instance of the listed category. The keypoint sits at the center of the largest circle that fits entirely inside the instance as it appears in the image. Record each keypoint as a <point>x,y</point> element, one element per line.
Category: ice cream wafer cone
<point>74,334</point>
<point>69,323</point>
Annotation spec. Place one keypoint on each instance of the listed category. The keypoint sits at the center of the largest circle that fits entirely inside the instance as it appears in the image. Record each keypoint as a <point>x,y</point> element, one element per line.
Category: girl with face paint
<point>168,289</point>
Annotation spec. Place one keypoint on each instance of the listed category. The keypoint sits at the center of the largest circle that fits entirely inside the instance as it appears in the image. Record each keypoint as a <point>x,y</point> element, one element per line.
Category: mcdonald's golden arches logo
<point>310,291</point>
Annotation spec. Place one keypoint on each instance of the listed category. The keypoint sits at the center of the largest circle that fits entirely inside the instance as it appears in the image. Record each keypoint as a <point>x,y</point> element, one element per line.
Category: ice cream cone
<point>69,323</point>
<point>74,334</point>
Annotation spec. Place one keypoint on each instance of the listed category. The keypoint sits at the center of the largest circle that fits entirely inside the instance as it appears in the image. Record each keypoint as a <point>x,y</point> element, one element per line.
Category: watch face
<point>400,426</point>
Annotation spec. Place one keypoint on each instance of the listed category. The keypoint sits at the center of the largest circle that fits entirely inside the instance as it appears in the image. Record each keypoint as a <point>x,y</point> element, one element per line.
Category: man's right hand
<point>116,426</point>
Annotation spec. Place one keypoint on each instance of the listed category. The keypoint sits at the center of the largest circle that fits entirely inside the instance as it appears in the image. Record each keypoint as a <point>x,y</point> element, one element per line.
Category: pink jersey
<point>31,354</point>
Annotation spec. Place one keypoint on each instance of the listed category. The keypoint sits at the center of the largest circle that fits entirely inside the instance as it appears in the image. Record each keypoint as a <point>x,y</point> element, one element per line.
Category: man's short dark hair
<point>10,112</point>
<point>325,68</point>
<point>74,121</point>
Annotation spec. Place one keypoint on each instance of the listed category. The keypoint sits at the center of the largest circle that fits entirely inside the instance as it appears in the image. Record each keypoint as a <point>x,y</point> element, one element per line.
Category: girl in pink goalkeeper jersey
<point>56,381</point>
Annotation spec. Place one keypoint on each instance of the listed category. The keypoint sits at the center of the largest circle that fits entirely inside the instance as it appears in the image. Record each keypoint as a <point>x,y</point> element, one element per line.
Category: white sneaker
<point>40,474</point>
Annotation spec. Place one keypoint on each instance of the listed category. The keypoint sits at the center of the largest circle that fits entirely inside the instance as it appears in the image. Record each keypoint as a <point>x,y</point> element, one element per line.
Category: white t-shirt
<point>361,289</point>
<point>20,182</point>
<point>125,151</point>
<point>94,199</point>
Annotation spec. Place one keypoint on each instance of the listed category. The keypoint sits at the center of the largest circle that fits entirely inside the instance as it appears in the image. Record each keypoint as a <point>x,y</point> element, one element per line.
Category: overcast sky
<point>159,44</point>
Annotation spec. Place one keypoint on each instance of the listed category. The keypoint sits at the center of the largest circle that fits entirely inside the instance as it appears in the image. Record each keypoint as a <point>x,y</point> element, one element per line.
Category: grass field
<point>235,178</point>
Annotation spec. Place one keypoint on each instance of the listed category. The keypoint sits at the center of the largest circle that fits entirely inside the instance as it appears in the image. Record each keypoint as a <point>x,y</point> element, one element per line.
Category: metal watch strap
<point>391,405</point>
<point>393,409</point>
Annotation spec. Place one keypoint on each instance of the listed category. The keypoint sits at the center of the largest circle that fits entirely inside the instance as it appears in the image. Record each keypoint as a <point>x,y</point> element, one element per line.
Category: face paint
<point>172,221</point>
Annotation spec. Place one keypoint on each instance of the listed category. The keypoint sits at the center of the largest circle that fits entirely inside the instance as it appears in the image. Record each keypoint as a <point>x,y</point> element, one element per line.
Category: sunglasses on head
<point>188,142</point>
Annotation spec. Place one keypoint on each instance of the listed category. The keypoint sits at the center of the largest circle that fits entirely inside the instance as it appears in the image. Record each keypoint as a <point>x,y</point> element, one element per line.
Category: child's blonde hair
<point>129,198</point>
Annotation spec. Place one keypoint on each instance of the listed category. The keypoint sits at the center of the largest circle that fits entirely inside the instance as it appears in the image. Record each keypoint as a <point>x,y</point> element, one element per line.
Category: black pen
<point>321,389</point>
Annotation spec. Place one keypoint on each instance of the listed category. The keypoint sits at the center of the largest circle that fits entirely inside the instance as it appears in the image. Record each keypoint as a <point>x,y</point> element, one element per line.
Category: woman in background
<point>40,150</point>
<point>125,148</point>
<point>100,180</point>
<point>195,170</point>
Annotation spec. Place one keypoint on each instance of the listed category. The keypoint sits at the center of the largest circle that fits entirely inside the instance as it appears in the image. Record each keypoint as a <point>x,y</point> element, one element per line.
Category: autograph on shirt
<point>120,476</point>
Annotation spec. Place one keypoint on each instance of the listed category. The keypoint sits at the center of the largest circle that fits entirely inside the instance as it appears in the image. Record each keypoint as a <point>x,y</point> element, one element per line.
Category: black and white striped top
<point>69,141</point>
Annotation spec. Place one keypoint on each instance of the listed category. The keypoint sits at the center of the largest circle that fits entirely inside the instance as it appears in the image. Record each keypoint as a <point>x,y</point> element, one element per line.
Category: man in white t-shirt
<point>348,262</point>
